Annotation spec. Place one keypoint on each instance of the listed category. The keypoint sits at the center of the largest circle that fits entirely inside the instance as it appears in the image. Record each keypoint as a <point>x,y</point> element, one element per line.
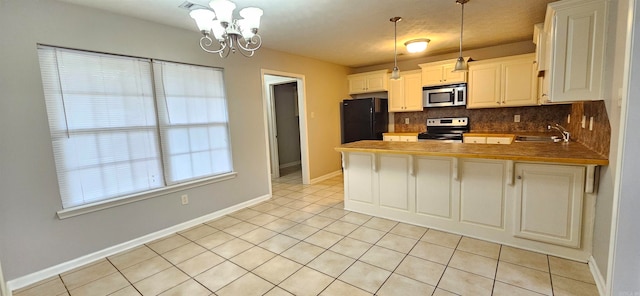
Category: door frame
<point>270,124</point>
<point>3,284</point>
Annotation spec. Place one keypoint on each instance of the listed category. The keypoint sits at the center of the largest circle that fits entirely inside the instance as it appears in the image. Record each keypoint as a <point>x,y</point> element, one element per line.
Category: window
<point>193,121</point>
<point>112,137</point>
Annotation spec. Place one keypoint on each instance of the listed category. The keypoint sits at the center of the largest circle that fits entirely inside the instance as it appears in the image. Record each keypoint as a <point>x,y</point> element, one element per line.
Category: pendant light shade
<point>395,74</point>
<point>461,64</point>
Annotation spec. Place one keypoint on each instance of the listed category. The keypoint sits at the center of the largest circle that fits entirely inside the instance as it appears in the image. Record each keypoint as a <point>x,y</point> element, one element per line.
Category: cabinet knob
<point>519,177</point>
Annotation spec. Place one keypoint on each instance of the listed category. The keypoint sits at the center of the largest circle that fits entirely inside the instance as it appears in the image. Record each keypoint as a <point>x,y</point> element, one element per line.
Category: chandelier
<point>230,34</point>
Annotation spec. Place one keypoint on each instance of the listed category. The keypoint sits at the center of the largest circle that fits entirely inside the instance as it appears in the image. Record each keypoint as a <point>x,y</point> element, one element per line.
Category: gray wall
<point>31,237</point>
<point>614,76</point>
<point>287,123</point>
<point>626,261</point>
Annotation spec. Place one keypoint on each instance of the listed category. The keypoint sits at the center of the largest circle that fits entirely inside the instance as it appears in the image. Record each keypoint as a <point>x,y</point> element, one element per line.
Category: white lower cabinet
<point>436,190</point>
<point>482,192</point>
<point>393,178</point>
<point>537,206</point>
<point>359,180</point>
<point>548,203</point>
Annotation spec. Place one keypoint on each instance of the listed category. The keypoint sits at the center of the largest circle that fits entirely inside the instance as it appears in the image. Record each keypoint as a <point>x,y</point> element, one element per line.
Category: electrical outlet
<point>584,121</point>
<point>406,120</point>
<point>516,118</point>
<point>591,123</point>
<point>185,199</point>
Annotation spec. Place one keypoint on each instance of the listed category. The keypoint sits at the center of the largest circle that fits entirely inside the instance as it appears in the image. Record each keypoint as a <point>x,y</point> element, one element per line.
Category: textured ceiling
<point>358,32</point>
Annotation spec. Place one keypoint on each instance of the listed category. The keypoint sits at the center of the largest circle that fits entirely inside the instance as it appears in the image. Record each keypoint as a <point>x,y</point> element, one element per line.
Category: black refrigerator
<point>364,119</point>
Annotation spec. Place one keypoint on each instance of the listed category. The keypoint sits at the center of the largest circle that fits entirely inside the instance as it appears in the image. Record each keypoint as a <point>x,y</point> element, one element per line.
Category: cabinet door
<point>549,203</point>
<point>578,52</point>
<point>435,194</point>
<point>484,86</point>
<point>482,192</point>
<point>393,178</point>
<point>396,95</point>
<point>519,82</point>
<point>376,82</point>
<point>451,77</point>
<point>413,92</point>
<point>357,84</point>
<point>432,75</point>
<point>359,177</point>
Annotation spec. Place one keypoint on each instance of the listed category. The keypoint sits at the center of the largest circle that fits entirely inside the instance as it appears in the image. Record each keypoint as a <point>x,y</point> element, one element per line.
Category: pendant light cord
<point>395,44</point>
<point>461,26</point>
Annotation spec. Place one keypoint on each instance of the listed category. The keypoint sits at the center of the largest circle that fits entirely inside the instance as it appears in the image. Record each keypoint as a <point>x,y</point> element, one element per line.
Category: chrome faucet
<point>562,130</point>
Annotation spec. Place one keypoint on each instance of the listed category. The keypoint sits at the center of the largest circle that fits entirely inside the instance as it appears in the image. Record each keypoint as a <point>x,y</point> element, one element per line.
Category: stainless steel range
<point>446,130</point>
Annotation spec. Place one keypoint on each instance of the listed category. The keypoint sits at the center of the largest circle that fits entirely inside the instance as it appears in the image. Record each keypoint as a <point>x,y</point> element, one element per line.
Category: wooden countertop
<point>569,153</point>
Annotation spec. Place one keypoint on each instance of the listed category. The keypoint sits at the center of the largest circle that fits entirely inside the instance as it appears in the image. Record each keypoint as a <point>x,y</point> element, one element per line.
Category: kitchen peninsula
<point>536,196</point>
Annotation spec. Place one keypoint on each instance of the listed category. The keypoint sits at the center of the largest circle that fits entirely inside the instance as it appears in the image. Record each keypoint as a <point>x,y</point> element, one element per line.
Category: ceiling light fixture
<point>417,45</point>
<point>395,74</point>
<point>231,34</point>
<point>461,65</point>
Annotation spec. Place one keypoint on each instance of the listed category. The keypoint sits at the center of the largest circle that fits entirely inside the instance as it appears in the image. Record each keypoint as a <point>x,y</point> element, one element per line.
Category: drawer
<point>499,140</point>
<point>477,140</point>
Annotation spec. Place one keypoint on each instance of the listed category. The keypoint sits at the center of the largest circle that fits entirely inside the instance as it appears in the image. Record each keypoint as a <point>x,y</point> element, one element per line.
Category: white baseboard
<point>290,164</point>
<point>597,276</point>
<point>325,177</point>
<point>87,259</point>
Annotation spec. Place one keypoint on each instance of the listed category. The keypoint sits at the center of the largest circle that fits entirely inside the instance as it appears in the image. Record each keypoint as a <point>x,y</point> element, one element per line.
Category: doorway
<point>285,99</point>
<point>284,104</point>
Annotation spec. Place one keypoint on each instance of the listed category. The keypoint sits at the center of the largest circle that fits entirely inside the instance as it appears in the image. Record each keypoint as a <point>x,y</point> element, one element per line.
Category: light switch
<point>406,120</point>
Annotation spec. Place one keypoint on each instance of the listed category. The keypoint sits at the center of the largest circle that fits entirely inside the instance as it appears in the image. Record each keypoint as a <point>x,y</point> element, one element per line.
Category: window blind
<point>103,124</point>
<point>192,113</point>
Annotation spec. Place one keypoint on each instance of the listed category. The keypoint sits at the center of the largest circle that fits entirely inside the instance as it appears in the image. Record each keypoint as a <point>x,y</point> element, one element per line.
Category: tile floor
<point>302,242</point>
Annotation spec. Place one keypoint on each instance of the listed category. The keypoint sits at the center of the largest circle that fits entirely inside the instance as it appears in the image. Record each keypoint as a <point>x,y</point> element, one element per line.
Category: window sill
<point>98,206</point>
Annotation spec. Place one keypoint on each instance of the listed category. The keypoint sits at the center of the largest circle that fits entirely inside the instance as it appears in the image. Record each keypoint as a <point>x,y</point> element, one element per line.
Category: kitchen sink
<point>554,139</point>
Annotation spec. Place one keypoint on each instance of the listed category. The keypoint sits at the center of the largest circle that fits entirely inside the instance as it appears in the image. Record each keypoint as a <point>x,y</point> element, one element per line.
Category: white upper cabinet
<point>503,82</point>
<point>375,81</point>
<point>540,40</point>
<point>440,73</point>
<point>405,93</point>
<point>576,44</point>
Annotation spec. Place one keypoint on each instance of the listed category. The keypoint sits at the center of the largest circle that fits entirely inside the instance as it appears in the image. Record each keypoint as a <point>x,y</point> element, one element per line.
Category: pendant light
<point>395,74</point>
<point>461,65</point>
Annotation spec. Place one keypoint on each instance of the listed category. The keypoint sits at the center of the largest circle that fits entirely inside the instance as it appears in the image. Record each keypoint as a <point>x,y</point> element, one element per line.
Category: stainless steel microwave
<point>444,95</point>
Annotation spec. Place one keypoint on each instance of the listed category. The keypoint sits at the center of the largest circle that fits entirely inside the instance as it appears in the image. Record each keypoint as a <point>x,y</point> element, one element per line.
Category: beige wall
<point>32,238</point>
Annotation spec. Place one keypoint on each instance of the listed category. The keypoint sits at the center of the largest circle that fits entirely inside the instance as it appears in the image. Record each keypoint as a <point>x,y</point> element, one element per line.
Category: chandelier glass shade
<point>222,34</point>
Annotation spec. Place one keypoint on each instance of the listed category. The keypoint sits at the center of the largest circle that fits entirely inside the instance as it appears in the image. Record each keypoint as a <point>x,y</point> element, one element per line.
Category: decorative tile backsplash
<point>532,119</point>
